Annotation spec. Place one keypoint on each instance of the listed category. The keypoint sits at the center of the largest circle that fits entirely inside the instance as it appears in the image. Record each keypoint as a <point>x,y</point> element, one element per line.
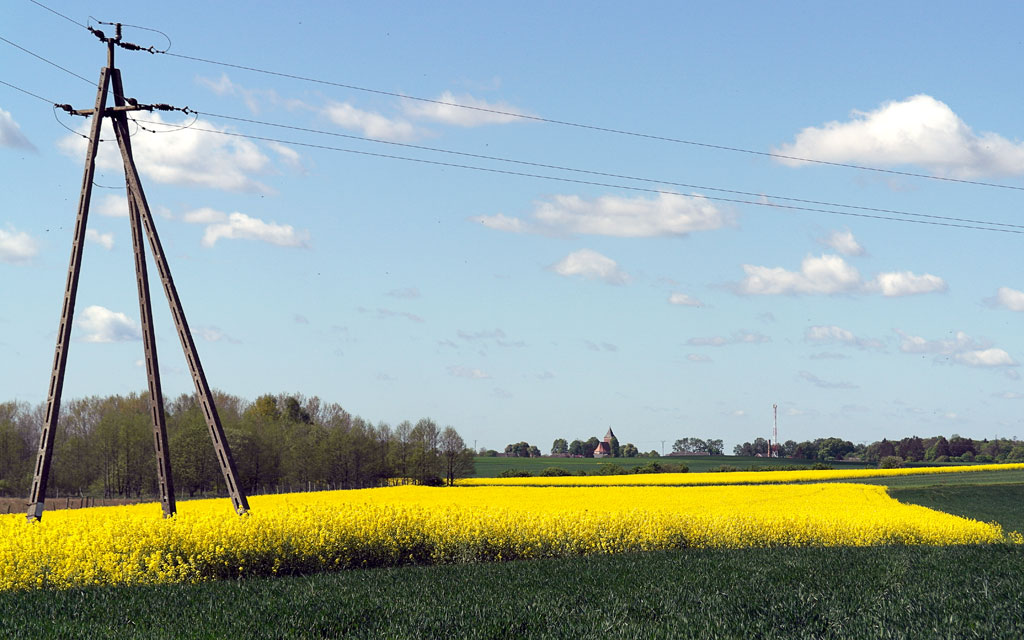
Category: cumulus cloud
<point>961,349</point>
<point>11,135</point>
<point>831,275</point>
<point>105,240</point>
<point>371,124</point>
<point>462,111</point>
<point>738,337</point>
<point>824,275</point>
<point>591,265</point>
<point>905,283</point>
<point>825,384</point>
<point>215,334</point>
<point>684,300</point>
<point>639,217</point>
<point>103,325</point>
<point>467,372</point>
<point>17,247</point>
<point>844,243</point>
<point>497,336</point>
<point>833,334</point>
<point>188,157</point>
<point>383,314</point>
<point>238,226</point>
<point>113,205</point>
<point>1006,298</point>
<point>919,130</point>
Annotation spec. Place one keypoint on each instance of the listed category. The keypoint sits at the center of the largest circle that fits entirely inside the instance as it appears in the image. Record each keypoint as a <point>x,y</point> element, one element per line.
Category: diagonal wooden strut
<point>37,497</point>
<point>138,197</point>
<point>165,479</point>
<point>141,222</point>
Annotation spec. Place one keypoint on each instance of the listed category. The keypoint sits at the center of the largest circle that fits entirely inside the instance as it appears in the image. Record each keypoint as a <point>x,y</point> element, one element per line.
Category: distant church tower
<point>604,448</point>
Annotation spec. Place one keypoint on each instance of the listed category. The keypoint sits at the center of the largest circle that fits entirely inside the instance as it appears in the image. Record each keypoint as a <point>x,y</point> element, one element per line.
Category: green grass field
<point>492,467</point>
<point>841,593</point>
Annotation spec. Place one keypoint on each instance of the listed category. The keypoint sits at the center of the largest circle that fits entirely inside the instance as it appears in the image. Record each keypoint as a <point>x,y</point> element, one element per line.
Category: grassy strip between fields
<point>850,593</point>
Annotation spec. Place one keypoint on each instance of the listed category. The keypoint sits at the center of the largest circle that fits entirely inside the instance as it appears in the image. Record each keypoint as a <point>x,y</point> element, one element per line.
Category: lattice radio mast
<point>141,222</point>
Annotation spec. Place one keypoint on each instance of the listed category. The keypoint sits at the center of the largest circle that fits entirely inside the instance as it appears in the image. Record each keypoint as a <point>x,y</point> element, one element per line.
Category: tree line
<point>911,449</point>
<point>103,446</point>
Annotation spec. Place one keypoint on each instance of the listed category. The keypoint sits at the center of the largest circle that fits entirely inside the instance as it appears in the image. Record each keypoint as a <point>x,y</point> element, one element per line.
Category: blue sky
<point>523,308</point>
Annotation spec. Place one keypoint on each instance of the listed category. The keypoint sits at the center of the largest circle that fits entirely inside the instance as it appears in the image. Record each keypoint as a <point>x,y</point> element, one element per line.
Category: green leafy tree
<point>457,459</point>
<point>559,447</point>
<point>629,451</point>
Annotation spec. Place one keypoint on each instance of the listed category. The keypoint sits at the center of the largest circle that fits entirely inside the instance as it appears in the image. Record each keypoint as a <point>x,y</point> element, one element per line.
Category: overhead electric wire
<point>49,62</point>
<point>600,173</point>
<point>933,221</point>
<point>58,13</point>
<point>26,91</point>
<point>567,123</point>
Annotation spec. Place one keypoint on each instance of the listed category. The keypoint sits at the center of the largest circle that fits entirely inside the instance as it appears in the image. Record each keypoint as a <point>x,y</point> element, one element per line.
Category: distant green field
<point>492,467</point>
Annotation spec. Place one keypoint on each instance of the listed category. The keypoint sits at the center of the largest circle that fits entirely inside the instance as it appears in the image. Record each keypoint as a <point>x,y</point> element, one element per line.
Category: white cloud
<point>825,384</point>
<point>103,325</point>
<point>370,124</point>
<point>824,275</point>
<point>113,205</point>
<point>288,155</point>
<point>904,283</point>
<point>390,313</point>
<point>466,372</point>
<point>17,247</point>
<point>991,357</point>
<point>962,349</point>
<point>480,112</point>
<point>833,334</point>
<point>592,265</point>
<point>237,226</point>
<point>739,337</point>
<point>215,334</point>
<point>11,135</point>
<point>919,130</point>
<point>1009,299</point>
<point>830,275</point>
<point>1009,395</point>
<point>844,243</point>
<point>188,156</point>
<point>663,215</point>
<point>684,300</point>
<point>205,215</point>
<point>105,240</point>
<point>698,357</point>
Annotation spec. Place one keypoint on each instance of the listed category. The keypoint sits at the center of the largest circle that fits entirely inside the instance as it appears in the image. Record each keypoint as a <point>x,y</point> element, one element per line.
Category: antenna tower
<point>141,222</point>
<point>774,452</point>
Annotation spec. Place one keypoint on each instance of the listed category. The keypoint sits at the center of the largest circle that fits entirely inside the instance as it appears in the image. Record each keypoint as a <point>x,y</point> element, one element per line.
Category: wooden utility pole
<point>141,220</point>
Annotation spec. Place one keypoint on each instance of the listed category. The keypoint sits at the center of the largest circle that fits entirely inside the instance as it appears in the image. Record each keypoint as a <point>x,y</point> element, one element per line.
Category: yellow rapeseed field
<point>409,524</point>
<point>734,477</point>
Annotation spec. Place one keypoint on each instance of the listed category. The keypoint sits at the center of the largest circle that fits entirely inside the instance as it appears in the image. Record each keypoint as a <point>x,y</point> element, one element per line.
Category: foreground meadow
<point>306,533</point>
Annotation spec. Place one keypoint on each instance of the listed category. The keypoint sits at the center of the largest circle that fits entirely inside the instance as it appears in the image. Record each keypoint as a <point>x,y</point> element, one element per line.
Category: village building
<point>604,448</point>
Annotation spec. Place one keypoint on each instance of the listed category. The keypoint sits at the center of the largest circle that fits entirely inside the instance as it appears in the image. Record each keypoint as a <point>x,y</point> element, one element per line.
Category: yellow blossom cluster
<point>734,477</point>
<point>392,526</point>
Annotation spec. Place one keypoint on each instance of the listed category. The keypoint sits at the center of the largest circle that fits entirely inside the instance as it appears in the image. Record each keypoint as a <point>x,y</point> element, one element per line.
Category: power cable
<point>25,91</point>
<point>49,62</point>
<point>616,186</point>
<point>524,116</point>
<point>599,173</point>
<point>58,13</point>
<point>567,123</point>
